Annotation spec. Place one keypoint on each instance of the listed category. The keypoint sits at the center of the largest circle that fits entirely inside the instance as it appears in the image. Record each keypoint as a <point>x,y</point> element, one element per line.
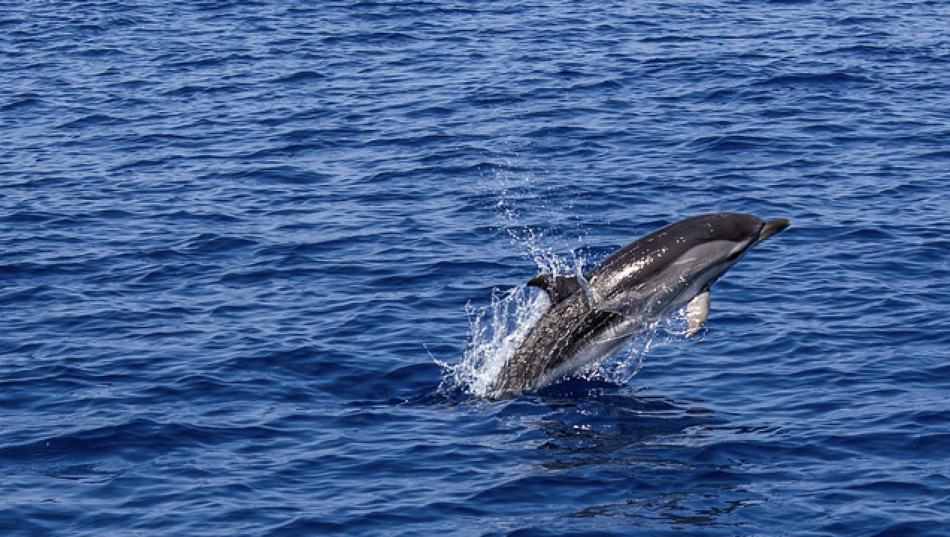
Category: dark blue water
<point>238,238</point>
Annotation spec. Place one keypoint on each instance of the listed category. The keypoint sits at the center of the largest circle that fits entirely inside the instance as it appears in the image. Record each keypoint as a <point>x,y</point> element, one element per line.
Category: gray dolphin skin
<point>592,316</point>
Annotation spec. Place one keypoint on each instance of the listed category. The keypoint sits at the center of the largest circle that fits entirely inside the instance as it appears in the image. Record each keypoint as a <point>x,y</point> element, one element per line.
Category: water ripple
<point>237,237</point>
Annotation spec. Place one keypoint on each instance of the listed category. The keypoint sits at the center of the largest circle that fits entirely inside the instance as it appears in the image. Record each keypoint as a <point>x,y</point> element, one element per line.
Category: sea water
<point>259,259</point>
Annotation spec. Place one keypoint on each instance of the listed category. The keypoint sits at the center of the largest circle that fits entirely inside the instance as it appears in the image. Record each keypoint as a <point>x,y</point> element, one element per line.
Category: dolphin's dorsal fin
<point>557,287</point>
<point>696,313</point>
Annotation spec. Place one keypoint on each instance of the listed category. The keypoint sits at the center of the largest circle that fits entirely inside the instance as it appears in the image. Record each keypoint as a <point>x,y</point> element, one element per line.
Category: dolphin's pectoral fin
<point>696,313</point>
<point>557,287</point>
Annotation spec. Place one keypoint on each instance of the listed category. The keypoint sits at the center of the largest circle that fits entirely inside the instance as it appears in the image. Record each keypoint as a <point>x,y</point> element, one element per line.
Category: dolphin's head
<point>695,251</point>
<point>715,242</point>
<point>734,226</point>
<point>740,229</point>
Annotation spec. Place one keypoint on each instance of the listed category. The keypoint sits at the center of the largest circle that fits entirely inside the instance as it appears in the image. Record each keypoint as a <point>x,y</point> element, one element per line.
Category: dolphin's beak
<point>772,227</point>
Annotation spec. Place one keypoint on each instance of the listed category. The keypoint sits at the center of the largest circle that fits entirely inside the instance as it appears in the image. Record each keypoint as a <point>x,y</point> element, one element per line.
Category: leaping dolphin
<point>592,316</point>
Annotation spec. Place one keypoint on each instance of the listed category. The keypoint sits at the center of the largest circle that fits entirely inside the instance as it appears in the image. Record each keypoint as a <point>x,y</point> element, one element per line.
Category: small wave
<point>814,80</point>
<point>211,243</point>
<point>91,120</point>
<point>23,101</point>
<point>300,77</point>
<point>732,143</point>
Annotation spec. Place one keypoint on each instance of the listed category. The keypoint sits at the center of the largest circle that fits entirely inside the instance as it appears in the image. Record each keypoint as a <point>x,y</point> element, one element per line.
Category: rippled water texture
<point>237,238</point>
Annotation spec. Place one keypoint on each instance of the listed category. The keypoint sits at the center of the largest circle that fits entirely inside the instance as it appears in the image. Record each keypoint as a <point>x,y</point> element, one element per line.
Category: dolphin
<point>593,315</point>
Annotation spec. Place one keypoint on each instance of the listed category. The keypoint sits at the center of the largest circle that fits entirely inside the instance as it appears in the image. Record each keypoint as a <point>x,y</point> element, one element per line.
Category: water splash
<point>496,330</point>
<point>494,333</point>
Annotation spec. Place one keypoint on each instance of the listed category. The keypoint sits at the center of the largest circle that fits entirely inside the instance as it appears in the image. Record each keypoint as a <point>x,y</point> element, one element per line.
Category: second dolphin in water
<point>592,316</point>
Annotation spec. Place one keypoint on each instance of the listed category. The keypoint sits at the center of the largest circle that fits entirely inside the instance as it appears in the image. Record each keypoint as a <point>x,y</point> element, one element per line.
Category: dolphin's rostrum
<point>593,315</point>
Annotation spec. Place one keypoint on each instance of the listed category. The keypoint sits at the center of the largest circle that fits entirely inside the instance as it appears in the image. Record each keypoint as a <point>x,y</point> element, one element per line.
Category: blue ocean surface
<point>252,253</point>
